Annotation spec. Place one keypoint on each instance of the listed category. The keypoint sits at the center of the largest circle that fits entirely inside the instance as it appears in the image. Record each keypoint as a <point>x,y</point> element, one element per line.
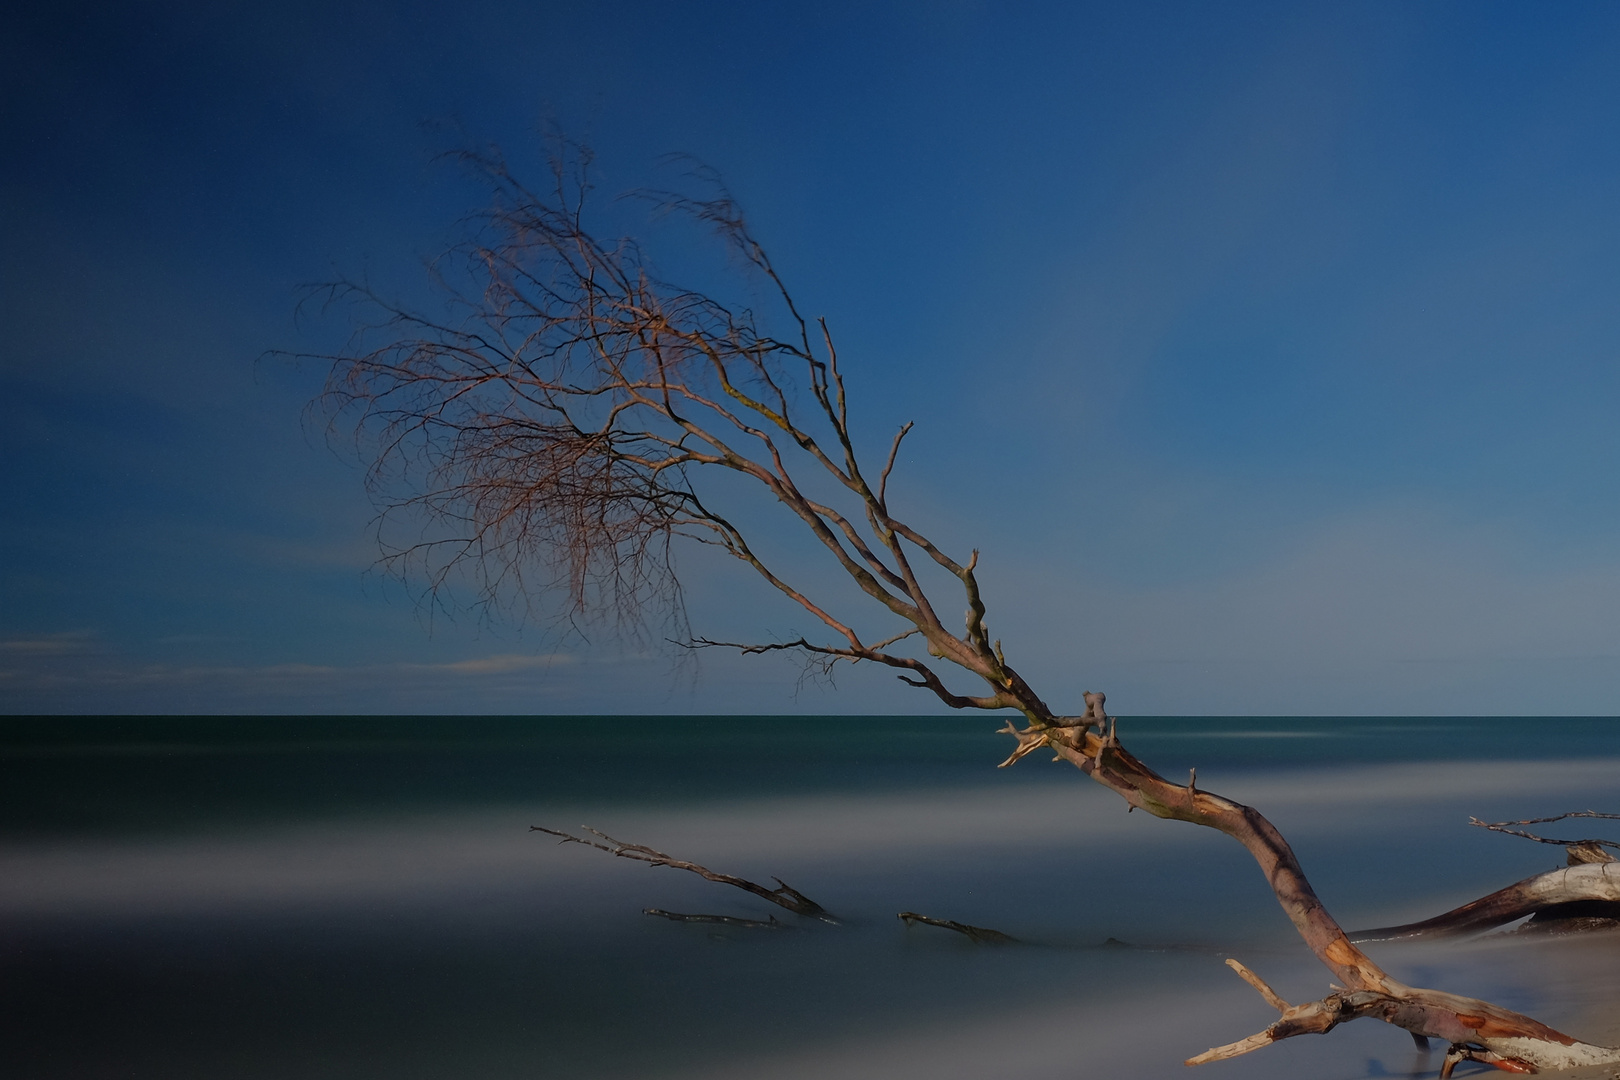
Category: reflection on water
<point>362,897</point>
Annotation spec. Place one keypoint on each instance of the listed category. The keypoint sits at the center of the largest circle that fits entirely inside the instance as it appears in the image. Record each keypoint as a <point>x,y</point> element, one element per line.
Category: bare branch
<point>783,895</point>
<point>1503,827</point>
<point>979,935</point>
<point>1272,997</point>
<point>773,923</point>
<point>888,467</point>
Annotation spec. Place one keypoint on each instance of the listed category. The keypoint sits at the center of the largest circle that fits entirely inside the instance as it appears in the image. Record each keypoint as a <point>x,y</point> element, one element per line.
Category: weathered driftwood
<point>979,934</point>
<point>784,895</point>
<point>1473,1030</point>
<point>1587,889</point>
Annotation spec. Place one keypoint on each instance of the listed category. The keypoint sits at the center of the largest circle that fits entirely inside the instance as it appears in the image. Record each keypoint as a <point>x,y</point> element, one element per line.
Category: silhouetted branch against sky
<point>1288,329</point>
<point>566,410</point>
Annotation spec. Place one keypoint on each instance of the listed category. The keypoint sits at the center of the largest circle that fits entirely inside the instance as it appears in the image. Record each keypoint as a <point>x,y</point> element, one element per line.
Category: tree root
<point>978,934</point>
<point>784,895</point>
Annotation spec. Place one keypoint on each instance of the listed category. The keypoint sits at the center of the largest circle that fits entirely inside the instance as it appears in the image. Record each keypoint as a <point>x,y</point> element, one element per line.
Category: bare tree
<point>570,414</point>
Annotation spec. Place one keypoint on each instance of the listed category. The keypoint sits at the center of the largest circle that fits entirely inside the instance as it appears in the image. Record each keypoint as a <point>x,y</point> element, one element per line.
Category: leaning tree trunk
<point>560,421</point>
<point>1475,1030</point>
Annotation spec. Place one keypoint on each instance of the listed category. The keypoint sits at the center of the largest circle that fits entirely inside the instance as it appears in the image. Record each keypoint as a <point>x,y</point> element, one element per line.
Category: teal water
<point>361,896</point>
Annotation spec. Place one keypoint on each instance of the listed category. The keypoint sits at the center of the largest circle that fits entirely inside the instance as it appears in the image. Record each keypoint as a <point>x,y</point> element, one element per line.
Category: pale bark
<point>1589,884</point>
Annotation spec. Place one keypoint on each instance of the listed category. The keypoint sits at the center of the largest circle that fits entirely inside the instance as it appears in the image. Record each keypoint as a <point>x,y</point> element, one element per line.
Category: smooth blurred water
<point>361,897</point>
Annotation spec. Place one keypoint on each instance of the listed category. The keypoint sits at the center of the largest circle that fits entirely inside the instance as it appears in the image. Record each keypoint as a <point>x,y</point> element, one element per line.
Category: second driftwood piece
<point>1587,889</point>
<point>1589,885</point>
<point>784,895</point>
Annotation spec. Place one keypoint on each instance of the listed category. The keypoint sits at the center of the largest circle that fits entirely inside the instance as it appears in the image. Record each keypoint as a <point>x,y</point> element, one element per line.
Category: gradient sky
<point>1270,352</point>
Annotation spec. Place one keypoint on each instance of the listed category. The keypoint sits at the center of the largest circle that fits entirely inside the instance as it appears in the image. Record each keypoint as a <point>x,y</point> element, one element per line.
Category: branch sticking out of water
<point>784,895</point>
<point>978,934</point>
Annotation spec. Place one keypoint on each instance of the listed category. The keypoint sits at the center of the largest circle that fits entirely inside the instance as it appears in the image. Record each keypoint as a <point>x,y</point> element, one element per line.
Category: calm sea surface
<point>362,897</point>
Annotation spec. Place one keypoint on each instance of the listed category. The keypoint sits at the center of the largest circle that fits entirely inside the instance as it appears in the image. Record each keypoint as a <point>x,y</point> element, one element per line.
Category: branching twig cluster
<point>561,413</point>
<point>1580,850</point>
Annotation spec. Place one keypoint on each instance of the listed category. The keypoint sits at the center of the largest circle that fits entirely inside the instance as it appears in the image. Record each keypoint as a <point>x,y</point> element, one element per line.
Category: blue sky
<point>1269,352</point>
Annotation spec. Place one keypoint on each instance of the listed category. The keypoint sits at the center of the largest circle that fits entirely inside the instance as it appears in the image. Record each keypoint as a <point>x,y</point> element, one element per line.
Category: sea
<point>364,897</point>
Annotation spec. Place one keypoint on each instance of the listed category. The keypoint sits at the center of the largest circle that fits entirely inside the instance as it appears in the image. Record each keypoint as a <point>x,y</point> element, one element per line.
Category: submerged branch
<point>978,934</point>
<point>784,895</point>
<point>772,923</point>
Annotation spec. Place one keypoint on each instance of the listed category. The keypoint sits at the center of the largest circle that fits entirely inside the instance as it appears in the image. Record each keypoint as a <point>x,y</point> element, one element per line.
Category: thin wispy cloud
<point>69,642</point>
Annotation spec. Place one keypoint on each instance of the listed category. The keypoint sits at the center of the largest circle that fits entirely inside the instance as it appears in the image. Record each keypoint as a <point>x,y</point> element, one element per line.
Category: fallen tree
<point>565,416</point>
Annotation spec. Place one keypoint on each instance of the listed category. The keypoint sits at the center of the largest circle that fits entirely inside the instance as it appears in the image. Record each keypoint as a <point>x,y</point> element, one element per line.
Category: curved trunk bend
<point>1476,1030</point>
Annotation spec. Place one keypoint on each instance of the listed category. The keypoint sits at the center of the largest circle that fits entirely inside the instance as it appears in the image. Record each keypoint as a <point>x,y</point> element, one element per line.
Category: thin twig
<point>1503,827</point>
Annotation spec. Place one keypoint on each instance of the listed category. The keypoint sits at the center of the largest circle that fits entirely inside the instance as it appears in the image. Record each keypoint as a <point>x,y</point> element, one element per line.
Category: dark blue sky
<point>1268,351</point>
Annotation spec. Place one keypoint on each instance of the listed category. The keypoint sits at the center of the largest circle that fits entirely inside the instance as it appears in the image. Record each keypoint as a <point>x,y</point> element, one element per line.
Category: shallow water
<point>361,897</point>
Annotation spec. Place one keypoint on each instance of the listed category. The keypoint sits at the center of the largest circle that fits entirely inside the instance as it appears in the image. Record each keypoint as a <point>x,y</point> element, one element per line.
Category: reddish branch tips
<point>565,413</point>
